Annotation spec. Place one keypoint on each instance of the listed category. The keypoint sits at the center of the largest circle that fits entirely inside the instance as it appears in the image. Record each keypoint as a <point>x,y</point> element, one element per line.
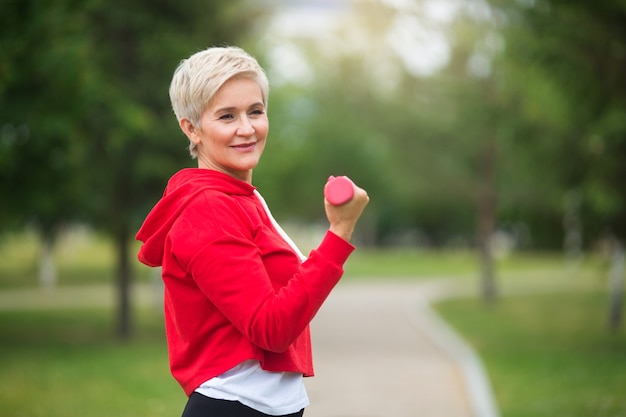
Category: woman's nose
<point>245,128</point>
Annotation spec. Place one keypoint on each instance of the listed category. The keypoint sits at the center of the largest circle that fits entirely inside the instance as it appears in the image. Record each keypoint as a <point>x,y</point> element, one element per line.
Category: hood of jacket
<point>181,189</point>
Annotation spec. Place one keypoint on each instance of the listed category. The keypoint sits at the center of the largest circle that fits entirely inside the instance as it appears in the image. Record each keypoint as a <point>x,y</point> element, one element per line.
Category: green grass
<point>411,263</point>
<point>548,355</point>
<point>84,258</point>
<point>68,363</point>
<point>526,268</point>
<point>81,258</point>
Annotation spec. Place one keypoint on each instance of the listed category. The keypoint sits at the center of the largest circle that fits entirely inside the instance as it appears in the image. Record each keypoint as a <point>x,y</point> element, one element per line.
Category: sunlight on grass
<point>19,254</point>
<point>413,263</point>
<point>81,257</point>
<point>84,257</point>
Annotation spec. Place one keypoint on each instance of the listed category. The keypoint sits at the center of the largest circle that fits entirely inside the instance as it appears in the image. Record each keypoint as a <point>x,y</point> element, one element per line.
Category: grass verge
<point>548,355</point>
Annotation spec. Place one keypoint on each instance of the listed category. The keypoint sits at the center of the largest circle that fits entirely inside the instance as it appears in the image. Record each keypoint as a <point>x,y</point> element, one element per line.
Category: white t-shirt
<point>273,393</point>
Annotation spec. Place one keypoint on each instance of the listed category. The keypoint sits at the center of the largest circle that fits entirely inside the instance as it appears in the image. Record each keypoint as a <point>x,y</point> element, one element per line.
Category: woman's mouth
<point>244,146</point>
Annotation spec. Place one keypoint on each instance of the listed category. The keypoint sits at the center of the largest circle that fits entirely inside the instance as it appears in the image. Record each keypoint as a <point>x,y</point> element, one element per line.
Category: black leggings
<point>202,406</point>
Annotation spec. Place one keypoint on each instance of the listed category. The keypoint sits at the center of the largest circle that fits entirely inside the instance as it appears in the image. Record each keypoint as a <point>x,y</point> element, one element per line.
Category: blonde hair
<point>198,78</point>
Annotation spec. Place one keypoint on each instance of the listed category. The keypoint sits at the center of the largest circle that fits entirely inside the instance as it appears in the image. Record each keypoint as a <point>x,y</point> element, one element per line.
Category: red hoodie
<point>234,289</point>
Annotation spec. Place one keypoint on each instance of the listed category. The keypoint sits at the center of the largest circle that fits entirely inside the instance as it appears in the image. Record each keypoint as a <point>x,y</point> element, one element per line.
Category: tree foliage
<point>579,49</point>
<point>87,130</point>
<point>42,87</point>
<point>526,118</point>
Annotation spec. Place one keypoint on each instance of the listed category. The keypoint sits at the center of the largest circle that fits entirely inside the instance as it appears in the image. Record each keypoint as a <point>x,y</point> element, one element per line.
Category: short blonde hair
<point>198,78</point>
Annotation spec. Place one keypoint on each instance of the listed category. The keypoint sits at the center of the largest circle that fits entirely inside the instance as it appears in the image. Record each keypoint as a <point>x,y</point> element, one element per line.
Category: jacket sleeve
<point>219,252</point>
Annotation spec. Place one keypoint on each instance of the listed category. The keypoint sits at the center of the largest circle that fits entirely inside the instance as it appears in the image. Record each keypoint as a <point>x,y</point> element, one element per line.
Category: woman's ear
<point>189,129</point>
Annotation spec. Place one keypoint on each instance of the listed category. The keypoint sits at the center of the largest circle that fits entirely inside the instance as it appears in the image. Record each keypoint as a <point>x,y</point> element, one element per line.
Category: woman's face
<point>233,129</point>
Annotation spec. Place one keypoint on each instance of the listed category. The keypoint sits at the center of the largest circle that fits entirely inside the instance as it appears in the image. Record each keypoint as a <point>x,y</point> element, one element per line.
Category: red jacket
<point>234,289</point>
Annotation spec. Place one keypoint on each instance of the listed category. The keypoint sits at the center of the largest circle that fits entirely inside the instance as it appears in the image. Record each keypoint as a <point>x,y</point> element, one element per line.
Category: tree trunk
<point>485,257</point>
<point>124,319</point>
<point>486,213</point>
<point>616,285</point>
<point>47,268</point>
<point>572,225</point>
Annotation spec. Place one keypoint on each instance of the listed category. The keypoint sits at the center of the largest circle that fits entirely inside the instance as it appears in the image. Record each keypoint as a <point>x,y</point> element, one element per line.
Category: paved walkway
<point>379,349</point>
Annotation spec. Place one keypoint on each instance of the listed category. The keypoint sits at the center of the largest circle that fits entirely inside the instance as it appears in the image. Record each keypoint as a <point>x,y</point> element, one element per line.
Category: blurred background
<point>489,134</point>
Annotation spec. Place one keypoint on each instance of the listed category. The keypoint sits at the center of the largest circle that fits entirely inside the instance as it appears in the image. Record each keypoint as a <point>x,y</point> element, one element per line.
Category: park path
<point>379,349</point>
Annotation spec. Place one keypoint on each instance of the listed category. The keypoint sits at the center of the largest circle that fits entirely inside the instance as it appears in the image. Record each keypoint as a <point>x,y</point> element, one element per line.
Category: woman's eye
<point>226,116</point>
<point>257,112</point>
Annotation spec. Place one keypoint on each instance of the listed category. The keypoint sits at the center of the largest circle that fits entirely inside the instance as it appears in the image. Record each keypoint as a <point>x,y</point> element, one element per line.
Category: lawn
<point>67,363</point>
<point>83,257</point>
<point>547,354</point>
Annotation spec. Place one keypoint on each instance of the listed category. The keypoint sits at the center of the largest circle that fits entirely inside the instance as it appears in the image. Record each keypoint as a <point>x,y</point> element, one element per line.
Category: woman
<point>239,295</point>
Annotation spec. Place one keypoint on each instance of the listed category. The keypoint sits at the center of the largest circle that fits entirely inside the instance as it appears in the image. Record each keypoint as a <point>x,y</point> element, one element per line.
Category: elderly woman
<point>239,295</point>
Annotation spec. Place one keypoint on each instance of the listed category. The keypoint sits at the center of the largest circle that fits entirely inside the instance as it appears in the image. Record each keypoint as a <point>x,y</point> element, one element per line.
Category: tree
<point>455,141</point>
<point>580,47</point>
<point>87,130</point>
<point>134,143</point>
<point>42,87</point>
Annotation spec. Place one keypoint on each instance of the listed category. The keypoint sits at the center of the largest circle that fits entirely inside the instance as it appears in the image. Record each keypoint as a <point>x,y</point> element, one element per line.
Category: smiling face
<point>233,128</point>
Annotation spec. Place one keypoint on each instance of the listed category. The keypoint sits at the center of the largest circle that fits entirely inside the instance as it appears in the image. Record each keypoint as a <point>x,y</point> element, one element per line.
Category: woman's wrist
<point>343,232</point>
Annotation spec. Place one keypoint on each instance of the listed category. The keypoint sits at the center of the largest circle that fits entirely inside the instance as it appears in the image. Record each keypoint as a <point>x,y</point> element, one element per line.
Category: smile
<point>244,146</point>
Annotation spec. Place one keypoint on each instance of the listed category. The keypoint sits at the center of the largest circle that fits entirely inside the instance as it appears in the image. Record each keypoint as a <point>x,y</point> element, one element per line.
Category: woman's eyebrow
<point>233,108</point>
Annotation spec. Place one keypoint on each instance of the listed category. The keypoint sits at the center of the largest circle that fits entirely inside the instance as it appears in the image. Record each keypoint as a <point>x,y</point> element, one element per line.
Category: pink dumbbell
<point>338,190</point>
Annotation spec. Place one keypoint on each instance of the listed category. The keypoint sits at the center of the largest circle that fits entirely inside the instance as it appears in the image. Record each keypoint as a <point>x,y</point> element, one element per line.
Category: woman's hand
<point>343,218</point>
